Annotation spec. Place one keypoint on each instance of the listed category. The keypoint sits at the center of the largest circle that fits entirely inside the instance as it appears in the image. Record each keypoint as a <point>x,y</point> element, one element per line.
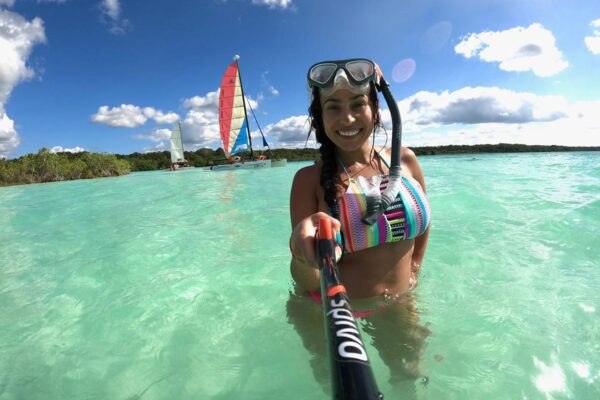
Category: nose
<point>348,117</point>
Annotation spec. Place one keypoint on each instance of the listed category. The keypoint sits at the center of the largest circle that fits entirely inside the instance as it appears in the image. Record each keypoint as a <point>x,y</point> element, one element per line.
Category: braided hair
<point>329,176</point>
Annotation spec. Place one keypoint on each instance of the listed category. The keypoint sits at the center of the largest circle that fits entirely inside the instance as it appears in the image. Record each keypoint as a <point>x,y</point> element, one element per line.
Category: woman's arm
<point>304,203</point>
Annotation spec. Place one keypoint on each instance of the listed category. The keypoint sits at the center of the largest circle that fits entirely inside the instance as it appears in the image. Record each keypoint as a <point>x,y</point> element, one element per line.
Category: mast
<point>236,58</point>
<point>185,163</point>
<point>176,140</point>
<point>181,140</point>
<point>265,143</point>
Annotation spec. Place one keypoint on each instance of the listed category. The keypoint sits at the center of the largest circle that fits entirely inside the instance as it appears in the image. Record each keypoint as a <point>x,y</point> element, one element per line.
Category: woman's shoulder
<point>309,175</point>
<point>305,192</point>
<point>407,156</point>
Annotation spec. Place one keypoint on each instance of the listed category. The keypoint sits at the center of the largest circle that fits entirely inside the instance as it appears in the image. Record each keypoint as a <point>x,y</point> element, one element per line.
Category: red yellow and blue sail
<point>233,123</point>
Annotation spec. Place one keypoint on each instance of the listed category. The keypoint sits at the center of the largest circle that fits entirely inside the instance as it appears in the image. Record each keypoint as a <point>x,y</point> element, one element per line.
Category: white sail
<point>176,144</point>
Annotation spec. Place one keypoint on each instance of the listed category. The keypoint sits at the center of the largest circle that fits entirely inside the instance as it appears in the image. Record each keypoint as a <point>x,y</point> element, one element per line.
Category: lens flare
<point>404,70</point>
<point>436,37</point>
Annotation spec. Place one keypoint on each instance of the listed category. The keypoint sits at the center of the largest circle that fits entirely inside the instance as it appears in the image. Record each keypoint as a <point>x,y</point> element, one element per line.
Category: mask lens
<point>322,73</point>
<point>360,70</point>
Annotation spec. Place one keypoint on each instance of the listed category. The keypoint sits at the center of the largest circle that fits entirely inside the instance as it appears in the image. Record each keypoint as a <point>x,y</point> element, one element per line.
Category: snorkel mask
<point>355,75</point>
<point>341,81</point>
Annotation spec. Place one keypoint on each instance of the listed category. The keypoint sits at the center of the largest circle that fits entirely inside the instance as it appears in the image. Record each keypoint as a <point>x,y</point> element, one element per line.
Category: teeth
<point>349,133</point>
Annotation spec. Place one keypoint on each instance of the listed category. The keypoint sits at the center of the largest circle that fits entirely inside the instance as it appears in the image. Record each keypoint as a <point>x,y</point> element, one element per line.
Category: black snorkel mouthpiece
<point>377,204</point>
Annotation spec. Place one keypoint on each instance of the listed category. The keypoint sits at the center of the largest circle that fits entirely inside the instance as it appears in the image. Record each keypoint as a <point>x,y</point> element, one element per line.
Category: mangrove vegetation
<point>50,167</point>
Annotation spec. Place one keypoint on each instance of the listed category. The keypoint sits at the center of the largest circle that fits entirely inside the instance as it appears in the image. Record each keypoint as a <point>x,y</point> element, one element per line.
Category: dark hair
<point>329,176</point>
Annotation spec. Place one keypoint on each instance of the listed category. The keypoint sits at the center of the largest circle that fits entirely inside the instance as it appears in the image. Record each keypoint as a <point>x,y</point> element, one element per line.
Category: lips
<point>349,133</point>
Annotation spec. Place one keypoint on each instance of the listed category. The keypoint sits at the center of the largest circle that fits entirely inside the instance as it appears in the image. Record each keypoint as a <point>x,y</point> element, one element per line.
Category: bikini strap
<point>385,161</point>
<point>382,158</point>
<point>339,160</point>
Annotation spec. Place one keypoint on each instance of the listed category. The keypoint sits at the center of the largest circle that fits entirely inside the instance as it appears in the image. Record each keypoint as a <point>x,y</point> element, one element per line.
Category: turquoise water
<point>163,285</point>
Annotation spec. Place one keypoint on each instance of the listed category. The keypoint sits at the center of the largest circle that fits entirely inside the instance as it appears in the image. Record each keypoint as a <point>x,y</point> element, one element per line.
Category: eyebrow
<point>339,101</point>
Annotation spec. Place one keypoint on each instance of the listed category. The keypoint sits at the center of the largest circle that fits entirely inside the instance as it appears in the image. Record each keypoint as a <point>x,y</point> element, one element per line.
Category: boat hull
<point>279,163</point>
<point>243,165</point>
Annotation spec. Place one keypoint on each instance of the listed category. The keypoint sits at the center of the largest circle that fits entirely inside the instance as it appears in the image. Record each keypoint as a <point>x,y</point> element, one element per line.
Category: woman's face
<point>348,119</point>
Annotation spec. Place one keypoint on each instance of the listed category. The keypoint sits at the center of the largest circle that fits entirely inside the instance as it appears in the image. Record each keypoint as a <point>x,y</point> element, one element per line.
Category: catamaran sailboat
<point>234,127</point>
<point>177,158</point>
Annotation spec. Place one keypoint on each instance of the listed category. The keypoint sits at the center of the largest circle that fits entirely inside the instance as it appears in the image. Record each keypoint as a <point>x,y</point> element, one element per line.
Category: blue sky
<point>114,75</point>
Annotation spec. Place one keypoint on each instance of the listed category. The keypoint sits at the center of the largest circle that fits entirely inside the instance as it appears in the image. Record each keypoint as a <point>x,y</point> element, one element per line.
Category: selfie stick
<point>351,374</point>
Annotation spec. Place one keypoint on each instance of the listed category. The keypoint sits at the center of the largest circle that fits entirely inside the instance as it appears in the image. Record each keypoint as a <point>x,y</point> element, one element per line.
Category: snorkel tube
<point>378,203</point>
<point>351,374</point>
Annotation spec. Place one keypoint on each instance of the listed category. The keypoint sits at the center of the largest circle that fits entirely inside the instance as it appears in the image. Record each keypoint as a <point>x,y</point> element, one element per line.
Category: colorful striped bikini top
<point>406,218</point>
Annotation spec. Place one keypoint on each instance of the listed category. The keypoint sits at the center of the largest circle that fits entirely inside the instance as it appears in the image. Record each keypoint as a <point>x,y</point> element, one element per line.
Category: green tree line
<point>496,148</point>
<point>204,157</point>
<point>51,167</point>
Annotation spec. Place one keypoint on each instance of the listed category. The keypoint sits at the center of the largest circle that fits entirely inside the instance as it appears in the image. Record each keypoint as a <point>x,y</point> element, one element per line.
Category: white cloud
<point>9,138</point>
<point>111,14</point>
<point>112,8</point>
<point>471,116</point>
<point>593,42</point>
<point>518,49</point>
<point>130,116</point>
<point>477,105</point>
<point>60,149</point>
<point>283,4</point>
<point>124,116</point>
<point>491,115</point>
<point>159,117</point>
<point>159,147</point>
<point>17,38</point>
<point>200,124</point>
<point>157,135</point>
<point>210,101</point>
<point>265,84</point>
<point>290,132</point>
<point>200,127</point>
<point>564,132</point>
<point>8,3</point>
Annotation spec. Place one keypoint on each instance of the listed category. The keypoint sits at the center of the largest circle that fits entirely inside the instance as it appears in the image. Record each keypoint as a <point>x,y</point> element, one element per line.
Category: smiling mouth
<point>349,133</point>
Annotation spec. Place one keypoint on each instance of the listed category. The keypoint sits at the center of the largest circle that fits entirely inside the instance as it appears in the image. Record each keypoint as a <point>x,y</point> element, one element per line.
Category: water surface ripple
<point>165,285</point>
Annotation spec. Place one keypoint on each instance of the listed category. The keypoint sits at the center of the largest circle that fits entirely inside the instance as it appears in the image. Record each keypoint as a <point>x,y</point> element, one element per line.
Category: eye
<point>359,104</point>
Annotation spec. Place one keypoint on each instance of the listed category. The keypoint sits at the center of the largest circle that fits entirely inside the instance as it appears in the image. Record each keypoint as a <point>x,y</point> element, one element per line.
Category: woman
<point>380,262</point>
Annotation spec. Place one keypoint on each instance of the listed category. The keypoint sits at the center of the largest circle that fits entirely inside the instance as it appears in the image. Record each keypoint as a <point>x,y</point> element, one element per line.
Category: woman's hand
<point>302,241</point>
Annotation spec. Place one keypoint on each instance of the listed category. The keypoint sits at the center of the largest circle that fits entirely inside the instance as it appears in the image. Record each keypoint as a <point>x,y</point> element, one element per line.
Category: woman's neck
<point>360,162</point>
<point>360,157</point>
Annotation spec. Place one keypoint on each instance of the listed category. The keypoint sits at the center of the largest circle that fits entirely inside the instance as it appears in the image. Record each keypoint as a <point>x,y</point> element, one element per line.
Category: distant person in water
<point>380,263</point>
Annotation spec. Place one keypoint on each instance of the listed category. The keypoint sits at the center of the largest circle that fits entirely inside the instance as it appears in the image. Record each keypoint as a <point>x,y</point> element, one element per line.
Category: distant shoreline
<point>47,167</point>
<point>498,148</point>
<point>202,157</point>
